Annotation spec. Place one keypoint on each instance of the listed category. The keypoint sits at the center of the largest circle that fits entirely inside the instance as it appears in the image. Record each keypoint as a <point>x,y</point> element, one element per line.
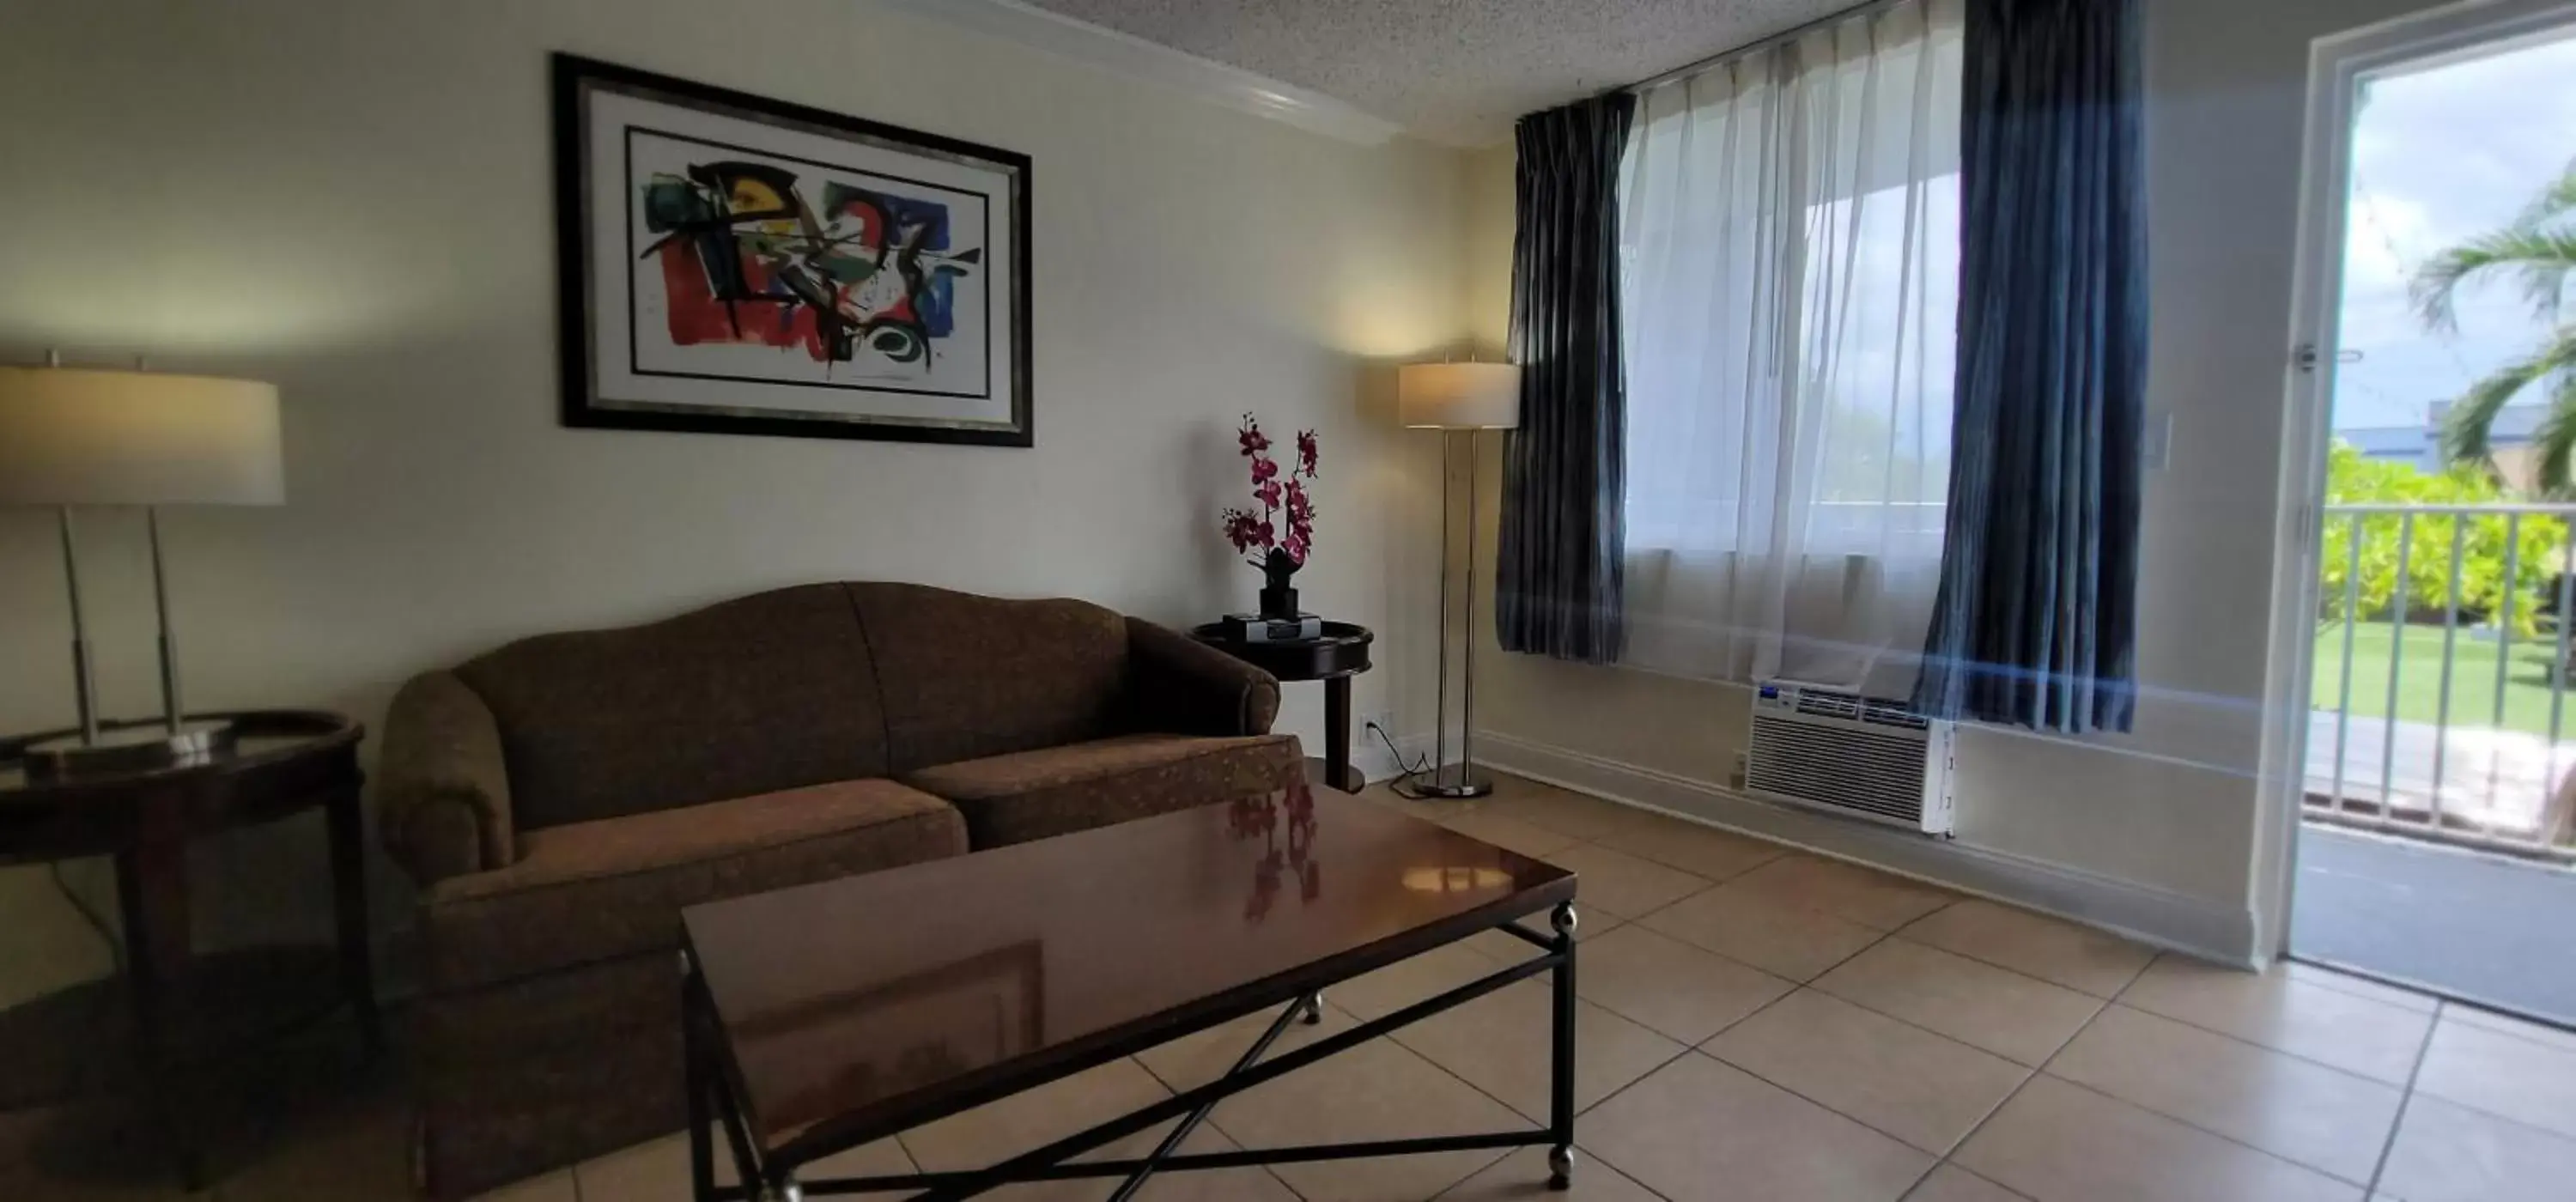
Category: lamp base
<point>137,748</point>
<point>1455,786</point>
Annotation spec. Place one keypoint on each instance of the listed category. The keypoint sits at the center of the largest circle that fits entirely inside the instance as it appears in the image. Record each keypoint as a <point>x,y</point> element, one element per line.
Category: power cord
<point>97,922</point>
<point>1398,786</point>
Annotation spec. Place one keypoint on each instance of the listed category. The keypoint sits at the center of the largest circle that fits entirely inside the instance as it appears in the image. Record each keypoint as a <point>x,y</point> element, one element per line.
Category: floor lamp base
<point>1454,786</point>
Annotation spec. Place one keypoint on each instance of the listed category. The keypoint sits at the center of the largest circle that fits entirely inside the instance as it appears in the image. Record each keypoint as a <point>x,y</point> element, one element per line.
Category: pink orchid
<point>1242,529</point>
<point>1280,494</point>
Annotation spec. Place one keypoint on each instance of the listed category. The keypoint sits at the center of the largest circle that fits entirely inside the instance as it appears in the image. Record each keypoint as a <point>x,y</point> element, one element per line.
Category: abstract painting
<point>738,265</point>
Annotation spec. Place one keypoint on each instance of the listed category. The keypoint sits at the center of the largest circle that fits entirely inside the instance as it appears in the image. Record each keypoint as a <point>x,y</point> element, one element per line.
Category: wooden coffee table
<point>827,1016</point>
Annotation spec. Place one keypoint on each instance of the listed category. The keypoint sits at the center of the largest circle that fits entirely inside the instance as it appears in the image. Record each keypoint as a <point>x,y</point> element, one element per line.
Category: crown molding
<point>1129,55</point>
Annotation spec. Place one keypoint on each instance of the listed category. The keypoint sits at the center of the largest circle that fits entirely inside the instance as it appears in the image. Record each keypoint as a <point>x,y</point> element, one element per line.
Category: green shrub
<point>2353,478</point>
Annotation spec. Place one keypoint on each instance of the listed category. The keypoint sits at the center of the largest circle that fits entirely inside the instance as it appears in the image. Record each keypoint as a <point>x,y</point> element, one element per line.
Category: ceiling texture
<point>1454,71</point>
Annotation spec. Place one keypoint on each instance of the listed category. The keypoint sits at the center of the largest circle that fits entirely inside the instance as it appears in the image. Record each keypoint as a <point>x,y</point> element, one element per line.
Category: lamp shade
<point>71,436</point>
<point>1458,396</point>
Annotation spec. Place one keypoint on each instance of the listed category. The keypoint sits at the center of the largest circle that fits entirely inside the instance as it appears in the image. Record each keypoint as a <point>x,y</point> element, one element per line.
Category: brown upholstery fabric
<point>560,800</point>
<point>965,676</point>
<point>767,692</point>
<point>1058,790</point>
<point>1179,684</point>
<point>593,891</point>
<point>442,792</point>
<point>518,1078</point>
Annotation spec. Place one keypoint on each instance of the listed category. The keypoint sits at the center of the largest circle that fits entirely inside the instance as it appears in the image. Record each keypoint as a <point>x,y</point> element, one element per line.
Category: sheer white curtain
<point>1790,262</point>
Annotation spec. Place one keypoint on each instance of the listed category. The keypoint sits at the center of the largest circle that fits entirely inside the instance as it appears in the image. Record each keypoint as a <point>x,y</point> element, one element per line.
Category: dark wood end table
<point>284,762</point>
<point>1334,657</point>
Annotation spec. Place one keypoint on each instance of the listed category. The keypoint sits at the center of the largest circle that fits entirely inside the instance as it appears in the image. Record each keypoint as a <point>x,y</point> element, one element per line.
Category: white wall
<point>2167,820</point>
<point>353,200</point>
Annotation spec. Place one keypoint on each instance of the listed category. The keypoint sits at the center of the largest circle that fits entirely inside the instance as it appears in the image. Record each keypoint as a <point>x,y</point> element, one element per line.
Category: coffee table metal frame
<point>715,1090</point>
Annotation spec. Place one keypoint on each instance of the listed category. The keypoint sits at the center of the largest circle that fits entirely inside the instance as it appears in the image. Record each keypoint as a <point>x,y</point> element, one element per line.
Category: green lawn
<point>2419,688</point>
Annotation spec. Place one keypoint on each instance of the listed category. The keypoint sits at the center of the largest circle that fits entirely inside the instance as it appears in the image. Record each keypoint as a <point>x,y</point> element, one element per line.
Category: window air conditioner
<point>1843,753</point>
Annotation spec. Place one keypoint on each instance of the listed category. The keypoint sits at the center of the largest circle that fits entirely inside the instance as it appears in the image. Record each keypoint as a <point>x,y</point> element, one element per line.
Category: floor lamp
<point>1450,398</point>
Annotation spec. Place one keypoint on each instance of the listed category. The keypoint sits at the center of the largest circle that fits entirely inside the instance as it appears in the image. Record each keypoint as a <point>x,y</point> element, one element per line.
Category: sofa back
<point>962,677</point>
<point>766,692</point>
<point>798,686</point>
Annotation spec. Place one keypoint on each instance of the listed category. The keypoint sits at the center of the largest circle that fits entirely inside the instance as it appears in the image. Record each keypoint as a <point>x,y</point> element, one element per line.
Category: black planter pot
<point>1278,591</point>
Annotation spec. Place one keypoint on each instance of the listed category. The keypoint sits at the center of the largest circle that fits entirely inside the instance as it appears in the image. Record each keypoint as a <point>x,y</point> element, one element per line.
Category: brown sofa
<point>559,800</point>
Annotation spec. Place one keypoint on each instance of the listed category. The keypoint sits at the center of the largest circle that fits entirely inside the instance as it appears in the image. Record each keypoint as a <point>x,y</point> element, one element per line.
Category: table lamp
<point>1451,397</point>
<point>74,436</point>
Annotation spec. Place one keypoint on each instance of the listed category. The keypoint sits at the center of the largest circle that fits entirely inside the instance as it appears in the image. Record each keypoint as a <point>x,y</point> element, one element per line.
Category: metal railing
<point>2504,797</point>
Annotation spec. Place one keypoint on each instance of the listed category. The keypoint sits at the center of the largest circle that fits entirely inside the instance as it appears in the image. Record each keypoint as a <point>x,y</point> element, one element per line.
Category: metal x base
<point>709,1089</point>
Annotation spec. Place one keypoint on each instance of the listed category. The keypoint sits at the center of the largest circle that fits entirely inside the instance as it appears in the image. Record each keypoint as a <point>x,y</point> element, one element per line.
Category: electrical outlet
<point>1743,767</point>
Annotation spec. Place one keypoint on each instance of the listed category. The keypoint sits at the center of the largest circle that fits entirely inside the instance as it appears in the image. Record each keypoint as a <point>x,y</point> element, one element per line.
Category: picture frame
<point>732,264</point>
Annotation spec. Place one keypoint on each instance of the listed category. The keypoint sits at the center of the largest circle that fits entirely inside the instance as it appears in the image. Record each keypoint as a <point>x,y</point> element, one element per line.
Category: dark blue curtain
<point>2036,623</point>
<point>1559,567</point>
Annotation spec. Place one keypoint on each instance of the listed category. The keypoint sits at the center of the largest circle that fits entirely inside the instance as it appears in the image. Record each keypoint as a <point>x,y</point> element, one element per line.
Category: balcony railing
<point>2479,758</point>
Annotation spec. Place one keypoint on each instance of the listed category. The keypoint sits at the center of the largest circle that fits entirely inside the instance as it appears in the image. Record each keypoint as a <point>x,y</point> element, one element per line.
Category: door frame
<point>2337,64</point>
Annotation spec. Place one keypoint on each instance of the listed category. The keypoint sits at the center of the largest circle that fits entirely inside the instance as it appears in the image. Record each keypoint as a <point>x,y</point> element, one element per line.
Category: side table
<point>1334,657</point>
<point>285,762</point>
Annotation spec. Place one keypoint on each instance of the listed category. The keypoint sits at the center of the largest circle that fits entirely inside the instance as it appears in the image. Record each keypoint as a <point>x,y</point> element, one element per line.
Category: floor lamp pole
<point>84,675</point>
<point>1440,679</point>
<point>1465,783</point>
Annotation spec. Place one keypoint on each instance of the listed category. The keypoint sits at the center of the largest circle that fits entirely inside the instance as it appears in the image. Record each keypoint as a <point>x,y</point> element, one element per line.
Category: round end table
<point>181,1008</point>
<point>1334,657</point>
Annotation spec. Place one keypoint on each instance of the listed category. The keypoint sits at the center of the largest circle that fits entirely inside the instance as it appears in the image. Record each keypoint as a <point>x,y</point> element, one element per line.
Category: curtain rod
<point>1695,66</point>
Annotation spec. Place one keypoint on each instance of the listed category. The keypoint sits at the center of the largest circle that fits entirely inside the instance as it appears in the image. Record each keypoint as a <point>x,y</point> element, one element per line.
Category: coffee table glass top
<point>856,1001</point>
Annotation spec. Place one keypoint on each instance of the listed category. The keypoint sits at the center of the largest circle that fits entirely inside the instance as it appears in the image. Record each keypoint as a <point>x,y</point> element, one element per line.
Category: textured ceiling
<point>1455,71</point>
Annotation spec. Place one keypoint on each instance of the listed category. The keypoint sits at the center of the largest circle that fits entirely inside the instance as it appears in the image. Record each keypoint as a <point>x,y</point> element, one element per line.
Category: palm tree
<point>2536,252</point>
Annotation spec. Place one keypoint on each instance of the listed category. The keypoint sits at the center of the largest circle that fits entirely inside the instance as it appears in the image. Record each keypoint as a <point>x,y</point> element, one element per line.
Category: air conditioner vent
<point>1846,754</point>
<point>1828,705</point>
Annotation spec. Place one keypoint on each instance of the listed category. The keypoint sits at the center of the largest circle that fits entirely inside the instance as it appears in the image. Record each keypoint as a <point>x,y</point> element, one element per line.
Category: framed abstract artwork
<point>731,264</point>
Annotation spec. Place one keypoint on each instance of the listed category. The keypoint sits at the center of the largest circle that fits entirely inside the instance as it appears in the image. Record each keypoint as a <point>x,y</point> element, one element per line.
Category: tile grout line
<point>2221,1136</point>
<point>1407,1049</point>
<point>1830,1108</point>
<point>2405,1100</point>
<point>2042,1070</point>
<point>2035,1074</point>
<point>2382,1003</point>
<point>2103,1006</point>
<point>1787,849</point>
<point>2113,996</point>
<point>2241,1041</point>
<point>1950,1157</point>
<point>1270,1171</point>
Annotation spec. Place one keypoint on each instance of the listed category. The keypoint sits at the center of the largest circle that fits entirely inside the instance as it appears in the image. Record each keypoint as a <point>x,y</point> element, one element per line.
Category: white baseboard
<point>2144,913</point>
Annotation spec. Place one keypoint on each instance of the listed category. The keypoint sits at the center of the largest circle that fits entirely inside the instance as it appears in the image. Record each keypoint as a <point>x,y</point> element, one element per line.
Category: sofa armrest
<point>1184,686</point>
<point>443,791</point>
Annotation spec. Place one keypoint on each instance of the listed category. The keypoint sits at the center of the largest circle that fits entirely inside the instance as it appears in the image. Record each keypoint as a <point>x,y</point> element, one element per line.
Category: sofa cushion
<point>1057,790</point>
<point>963,677</point>
<point>761,693</point>
<point>593,891</point>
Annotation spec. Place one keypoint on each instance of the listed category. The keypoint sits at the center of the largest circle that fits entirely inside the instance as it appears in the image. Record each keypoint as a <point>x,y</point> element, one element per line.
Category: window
<point>1789,283</point>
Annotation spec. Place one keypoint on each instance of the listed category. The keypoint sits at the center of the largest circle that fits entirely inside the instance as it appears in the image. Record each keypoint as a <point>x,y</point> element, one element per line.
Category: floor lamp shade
<point>71,436</point>
<point>1458,396</point>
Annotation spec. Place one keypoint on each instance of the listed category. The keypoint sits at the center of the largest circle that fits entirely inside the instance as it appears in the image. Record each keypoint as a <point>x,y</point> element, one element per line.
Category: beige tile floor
<point>1762,1024</point>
